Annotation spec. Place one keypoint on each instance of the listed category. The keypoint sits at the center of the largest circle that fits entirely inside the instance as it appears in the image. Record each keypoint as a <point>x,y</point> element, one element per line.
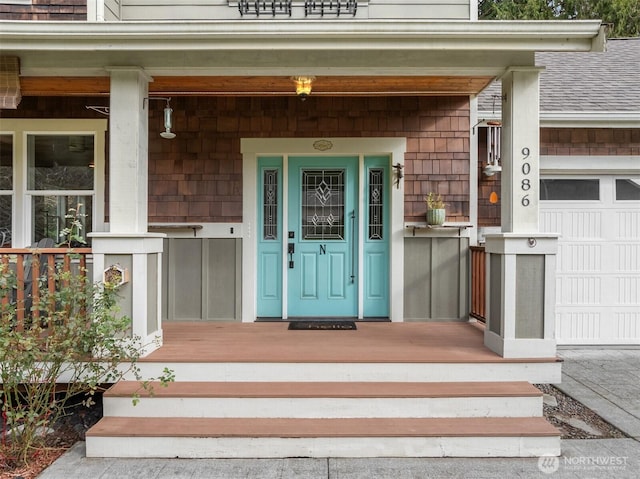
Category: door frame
<point>252,148</point>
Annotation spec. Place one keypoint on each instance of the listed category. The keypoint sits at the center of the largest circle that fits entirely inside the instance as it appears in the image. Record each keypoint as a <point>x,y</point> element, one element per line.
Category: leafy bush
<point>73,337</point>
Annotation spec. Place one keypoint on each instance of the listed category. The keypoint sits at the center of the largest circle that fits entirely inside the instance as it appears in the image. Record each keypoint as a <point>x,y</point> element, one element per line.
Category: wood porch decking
<point>372,342</point>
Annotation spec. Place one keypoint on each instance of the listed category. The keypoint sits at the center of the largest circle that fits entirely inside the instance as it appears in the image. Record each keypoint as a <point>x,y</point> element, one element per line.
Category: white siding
<point>228,10</point>
<point>420,9</point>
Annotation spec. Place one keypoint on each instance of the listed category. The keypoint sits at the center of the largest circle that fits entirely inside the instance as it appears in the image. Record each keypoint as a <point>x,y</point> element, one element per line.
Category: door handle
<point>291,248</point>
<point>352,216</point>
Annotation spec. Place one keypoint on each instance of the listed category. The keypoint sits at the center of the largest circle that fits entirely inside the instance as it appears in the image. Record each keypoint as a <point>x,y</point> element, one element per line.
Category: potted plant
<point>435,209</point>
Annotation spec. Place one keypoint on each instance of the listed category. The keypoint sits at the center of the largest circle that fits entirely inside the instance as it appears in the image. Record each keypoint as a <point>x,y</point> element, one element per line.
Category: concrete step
<point>325,400</point>
<point>353,437</point>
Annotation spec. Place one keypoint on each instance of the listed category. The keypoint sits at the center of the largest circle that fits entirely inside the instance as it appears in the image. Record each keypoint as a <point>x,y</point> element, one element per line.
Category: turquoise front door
<point>322,237</point>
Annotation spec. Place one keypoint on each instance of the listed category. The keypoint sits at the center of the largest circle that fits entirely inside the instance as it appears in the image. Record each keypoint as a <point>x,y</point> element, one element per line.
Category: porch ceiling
<point>264,85</point>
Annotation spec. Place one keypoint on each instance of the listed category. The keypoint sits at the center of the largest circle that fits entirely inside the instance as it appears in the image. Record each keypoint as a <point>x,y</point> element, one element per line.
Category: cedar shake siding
<point>50,10</point>
<point>197,177</point>
<point>589,141</point>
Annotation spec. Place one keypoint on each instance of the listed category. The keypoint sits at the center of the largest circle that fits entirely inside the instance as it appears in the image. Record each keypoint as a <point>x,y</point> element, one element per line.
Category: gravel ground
<point>574,420</point>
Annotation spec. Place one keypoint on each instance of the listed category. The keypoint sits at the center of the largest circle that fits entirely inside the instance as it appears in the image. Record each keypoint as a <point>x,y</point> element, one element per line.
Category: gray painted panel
<point>125,292</point>
<point>185,265</point>
<point>152,293</point>
<point>436,276</point>
<point>495,294</point>
<point>221,292</point>
<point>445,284</point>
<point>202,279</point>
<point>530,296</point>
<point>417,278</point>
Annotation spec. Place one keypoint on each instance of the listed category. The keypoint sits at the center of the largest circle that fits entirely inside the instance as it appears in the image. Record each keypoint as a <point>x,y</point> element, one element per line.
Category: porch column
<point>128,247</point>
<point>521,260</point>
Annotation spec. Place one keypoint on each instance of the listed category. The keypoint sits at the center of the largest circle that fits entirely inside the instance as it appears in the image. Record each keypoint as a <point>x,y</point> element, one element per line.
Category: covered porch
<point>446,64</point>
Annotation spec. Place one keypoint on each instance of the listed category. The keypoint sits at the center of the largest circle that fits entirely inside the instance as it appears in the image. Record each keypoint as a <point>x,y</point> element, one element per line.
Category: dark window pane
<point>270,205</point>
<point>60,162</point>
<point>570,190</point>
<point>52,214</point>
<point>628,190</point>
<point>376,203</point>
<point>5,220</point>
<point>6,162</point>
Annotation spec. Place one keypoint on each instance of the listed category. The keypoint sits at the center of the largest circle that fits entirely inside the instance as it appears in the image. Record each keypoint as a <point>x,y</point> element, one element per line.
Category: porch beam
<point>264,85</point>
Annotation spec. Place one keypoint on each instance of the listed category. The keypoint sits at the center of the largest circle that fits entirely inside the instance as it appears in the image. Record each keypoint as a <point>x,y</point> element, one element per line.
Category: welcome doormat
<point>322,325</point>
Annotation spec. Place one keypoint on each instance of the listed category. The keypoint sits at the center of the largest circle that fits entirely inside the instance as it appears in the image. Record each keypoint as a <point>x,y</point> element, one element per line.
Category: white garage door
<point>598,273</point>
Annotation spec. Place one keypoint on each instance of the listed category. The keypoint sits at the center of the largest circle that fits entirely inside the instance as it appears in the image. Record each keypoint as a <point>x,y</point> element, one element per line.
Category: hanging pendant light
<point>167,133</point>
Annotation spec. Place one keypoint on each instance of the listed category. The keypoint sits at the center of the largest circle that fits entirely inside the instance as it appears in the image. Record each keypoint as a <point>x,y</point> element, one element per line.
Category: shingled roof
<point>585,82</point>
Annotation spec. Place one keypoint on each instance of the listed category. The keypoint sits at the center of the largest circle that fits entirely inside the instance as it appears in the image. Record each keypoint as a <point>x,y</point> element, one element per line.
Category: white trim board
<point>606,164</point>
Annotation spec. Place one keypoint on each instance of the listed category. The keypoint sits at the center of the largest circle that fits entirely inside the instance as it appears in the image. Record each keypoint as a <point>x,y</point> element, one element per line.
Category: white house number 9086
<point>525,184</point>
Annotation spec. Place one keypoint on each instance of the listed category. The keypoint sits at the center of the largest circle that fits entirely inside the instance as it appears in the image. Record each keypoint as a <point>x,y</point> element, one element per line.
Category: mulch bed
<point>70,429</point>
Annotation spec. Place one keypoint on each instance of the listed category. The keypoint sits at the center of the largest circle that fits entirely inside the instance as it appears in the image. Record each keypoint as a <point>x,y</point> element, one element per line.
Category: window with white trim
<point>56,175</point>
<point>60,183</point>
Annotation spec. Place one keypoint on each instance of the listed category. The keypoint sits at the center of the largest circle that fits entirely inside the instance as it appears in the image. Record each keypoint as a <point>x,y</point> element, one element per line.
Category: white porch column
<point>128,244</point>
<point>521,260</point>
<point>128,150</point>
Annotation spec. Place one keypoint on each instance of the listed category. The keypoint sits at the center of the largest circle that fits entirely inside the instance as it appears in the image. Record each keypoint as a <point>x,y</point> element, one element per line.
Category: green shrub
<point>73,336</point>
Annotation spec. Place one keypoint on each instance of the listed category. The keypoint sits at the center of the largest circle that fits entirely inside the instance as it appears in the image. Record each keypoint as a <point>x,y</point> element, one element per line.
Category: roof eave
<point>571,36</point>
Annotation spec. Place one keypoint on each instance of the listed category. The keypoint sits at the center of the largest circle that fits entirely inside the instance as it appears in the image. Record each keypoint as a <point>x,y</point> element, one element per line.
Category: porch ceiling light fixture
<point>303,86</point>
<point>167,133</point>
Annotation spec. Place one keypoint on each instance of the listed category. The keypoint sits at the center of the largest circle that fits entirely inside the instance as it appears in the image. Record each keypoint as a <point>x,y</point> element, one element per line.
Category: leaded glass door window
<point>323,208</point>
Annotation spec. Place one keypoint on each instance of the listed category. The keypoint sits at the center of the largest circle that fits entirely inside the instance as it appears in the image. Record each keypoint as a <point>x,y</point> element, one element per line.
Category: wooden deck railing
<point>478,283</point>
<point>34,270</point>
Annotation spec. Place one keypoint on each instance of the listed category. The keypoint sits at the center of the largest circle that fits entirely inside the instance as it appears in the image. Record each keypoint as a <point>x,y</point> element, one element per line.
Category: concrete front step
<point>373,437</point>
<point>325,400</point>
